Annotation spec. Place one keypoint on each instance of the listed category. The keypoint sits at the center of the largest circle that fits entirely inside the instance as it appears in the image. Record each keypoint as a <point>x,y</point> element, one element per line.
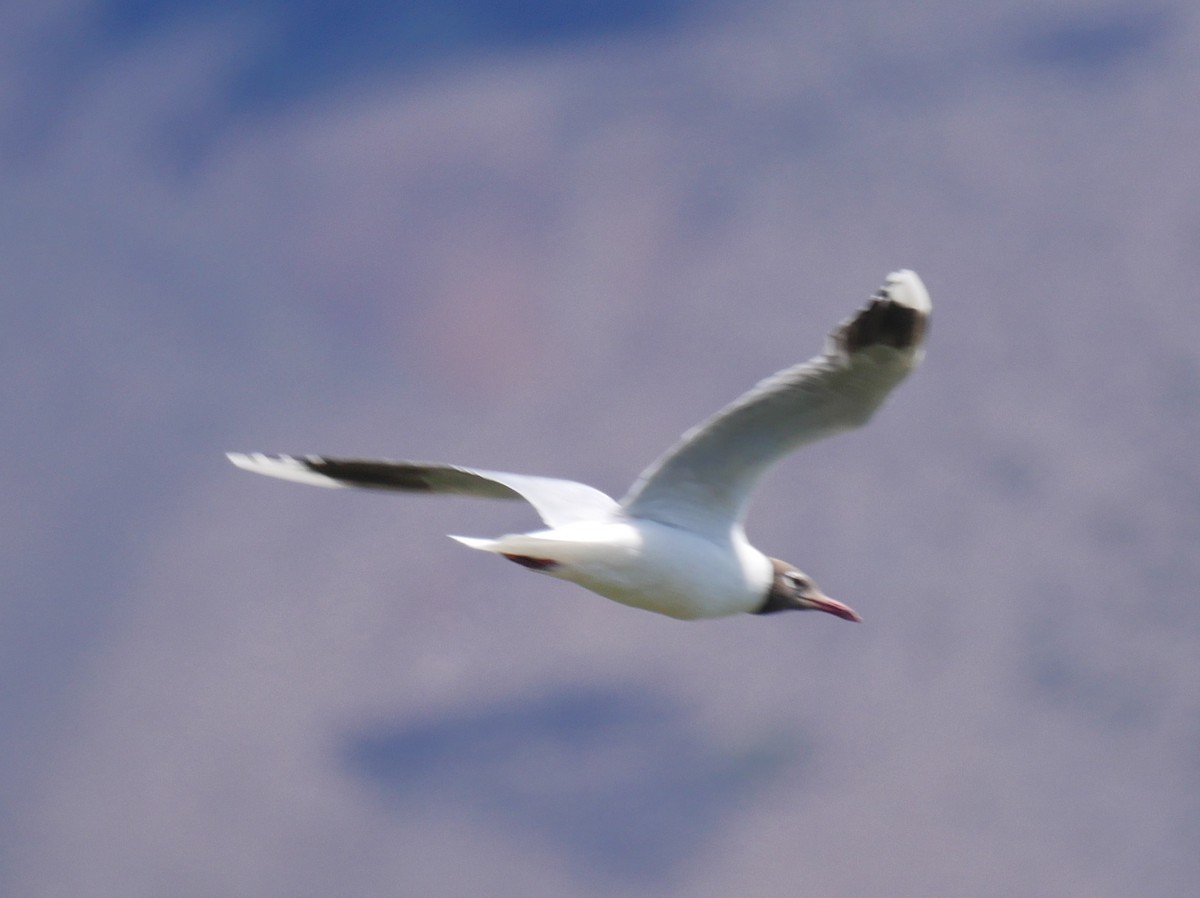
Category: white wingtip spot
<point>905,287</point>
<point>283,467</point>
<point>241,460</point>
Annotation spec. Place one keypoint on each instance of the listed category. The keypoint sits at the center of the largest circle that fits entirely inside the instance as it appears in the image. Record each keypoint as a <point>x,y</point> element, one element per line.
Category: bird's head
<point>793,590</point>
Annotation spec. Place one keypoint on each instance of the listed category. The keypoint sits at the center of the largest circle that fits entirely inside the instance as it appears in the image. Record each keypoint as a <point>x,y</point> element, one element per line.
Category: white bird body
<point>645,564</point>
<point>675,544</point>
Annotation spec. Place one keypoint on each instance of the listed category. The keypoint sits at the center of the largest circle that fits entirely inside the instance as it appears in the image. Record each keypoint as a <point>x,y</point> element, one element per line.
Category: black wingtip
<point>368,473</point>
<point>895,317</point>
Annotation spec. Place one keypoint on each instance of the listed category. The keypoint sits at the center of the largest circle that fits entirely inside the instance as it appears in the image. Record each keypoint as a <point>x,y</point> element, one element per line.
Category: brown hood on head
<point>792,590</point>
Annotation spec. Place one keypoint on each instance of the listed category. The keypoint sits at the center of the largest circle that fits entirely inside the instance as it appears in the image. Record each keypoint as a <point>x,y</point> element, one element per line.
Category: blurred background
<point>548,237</point>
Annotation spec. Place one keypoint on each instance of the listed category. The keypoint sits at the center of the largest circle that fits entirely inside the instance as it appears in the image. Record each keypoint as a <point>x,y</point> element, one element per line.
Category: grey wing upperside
<point>556,501</point>
<point>704,482</point>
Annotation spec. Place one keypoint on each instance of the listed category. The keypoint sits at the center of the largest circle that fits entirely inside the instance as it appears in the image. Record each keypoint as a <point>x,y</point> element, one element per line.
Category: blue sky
<point>548,238</point>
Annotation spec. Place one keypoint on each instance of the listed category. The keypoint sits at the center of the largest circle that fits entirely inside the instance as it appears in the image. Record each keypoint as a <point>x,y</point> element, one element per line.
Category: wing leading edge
<point>704,482</point>
<point>556,501</point>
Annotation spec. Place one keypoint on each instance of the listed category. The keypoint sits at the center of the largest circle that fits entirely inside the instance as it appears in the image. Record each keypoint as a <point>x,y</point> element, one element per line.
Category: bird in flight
<point>675,544</point>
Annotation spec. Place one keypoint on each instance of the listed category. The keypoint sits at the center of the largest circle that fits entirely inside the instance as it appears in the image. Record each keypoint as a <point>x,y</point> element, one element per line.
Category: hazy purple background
<point>548,237</point>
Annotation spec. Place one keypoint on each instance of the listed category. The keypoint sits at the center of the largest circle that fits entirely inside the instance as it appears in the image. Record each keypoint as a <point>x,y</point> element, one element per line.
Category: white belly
<point>652,566</point>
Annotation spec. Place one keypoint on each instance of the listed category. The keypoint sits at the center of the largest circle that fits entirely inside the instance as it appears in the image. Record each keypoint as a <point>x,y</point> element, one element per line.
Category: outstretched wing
<point>704,481</point>
<point>556,501</point>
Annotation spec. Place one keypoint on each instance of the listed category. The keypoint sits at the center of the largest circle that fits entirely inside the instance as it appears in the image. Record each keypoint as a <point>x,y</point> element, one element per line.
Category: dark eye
<point>797,582</point>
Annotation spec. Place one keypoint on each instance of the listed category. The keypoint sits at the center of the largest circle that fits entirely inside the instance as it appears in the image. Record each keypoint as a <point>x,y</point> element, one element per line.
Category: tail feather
<point>474,542</point>
<point>526,551</point>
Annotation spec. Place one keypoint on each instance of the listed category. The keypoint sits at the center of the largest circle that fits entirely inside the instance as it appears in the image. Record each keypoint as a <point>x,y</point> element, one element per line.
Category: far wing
<point>556,501</point>
<point>704,481</point>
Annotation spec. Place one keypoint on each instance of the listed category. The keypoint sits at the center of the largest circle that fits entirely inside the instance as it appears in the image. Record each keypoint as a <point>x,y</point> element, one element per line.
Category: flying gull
<point>675,544</point>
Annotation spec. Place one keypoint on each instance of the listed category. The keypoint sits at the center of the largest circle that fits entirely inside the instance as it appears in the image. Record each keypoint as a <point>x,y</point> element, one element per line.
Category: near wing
<point>556,501</point>
<point>705,480</point>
